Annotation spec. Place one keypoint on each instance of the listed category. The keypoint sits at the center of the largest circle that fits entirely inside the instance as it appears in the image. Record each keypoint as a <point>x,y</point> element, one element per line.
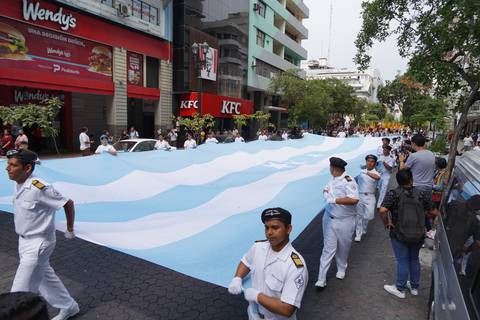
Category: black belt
<point>367,193</point>
<point>331,217</point>
<point>261,316</point>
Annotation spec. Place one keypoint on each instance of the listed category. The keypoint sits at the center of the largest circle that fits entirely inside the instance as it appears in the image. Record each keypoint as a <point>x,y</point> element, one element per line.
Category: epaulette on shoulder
<point>296,260</point>
<point>256,241</point>
<point>348,178</point>
<point>38,184</point>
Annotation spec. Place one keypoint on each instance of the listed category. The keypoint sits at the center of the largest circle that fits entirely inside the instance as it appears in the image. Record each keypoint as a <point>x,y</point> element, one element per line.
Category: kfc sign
<point>189,104</point>
<point>34,12</point>
<point>231,107</point>
<point>217,106</point>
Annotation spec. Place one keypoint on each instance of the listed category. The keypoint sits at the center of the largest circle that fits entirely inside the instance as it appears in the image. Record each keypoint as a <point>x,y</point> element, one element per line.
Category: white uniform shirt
<point>367,184</point>
<point>34,207</point>
<point>239,139</point>
<point>162,145</point>
<point>341,134</point>
<point>84,141</point>
<point>276,275</point>
<point>468,141</point>
<point>101,148</point>
<point>381,168</point>
<point>285,136</point>
<point>341,187</point>
<point>190,144</point>
<point>134,134</point>
<point>263,137</point>
<point>211,140</point>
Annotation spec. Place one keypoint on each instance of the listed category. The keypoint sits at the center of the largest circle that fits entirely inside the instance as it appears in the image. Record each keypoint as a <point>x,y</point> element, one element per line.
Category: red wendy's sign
<point>217,106</point>
<point>135,68</point>
<point>53,53</point>
<point>60,18</point>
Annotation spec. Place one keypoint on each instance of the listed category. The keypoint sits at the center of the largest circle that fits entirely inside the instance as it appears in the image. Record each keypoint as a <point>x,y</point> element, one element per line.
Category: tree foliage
<point>197,123</point>
<point>26,116</point>
<point>441,39</point>
<point>316,101</point>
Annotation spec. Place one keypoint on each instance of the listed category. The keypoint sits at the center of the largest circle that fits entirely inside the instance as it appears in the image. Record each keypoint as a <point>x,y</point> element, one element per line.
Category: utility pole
<point>330,31</point>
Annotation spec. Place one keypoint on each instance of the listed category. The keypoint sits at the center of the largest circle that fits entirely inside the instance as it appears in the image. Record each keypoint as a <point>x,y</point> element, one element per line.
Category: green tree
<point>441,38</point>
<point>32,114</point>
<point>197,123</point>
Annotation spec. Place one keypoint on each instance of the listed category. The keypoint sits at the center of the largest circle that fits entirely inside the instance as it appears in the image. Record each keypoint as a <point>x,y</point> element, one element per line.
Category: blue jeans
<point>408,263</point>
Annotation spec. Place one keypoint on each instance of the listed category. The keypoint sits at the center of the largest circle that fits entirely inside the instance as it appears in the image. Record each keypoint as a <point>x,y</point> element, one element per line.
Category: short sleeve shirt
<point>277,275</point>
<point>101,148</point>
<point>343,187</point>
<point>84,141</point>
<point>391,202</point>
<point>367,184</point>
<point>422,164</point>
<point>35,204</point>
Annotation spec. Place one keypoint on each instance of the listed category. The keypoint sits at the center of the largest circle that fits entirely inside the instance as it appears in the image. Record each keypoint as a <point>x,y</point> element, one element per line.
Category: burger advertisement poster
<point>135,68</point>
<point>37,49</point>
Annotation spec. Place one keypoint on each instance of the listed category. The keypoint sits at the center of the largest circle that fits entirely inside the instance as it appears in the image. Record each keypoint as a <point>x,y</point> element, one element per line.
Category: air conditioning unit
<point>123,9</point>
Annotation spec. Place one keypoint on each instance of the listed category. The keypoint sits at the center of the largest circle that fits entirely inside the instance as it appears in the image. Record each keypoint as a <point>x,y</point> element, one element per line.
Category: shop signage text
<point>33,12</point>
<point>217,106</point>
<point>23,96</point>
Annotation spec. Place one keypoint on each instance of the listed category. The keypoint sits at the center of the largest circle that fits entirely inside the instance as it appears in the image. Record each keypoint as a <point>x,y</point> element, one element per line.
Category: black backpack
<point>410,224</point>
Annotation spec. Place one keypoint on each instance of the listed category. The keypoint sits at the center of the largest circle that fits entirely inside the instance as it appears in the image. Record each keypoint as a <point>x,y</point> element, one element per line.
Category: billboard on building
<point>135,68</point>
<point>209,67</point>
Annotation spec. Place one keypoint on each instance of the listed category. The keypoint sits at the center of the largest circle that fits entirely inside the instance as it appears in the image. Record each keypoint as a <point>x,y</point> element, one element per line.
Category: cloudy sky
<point>346,24</point>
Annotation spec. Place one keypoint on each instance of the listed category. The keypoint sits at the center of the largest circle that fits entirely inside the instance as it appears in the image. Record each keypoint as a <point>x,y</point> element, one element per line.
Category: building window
<point>153,66</point>
<point>260,38</point>
<point>261,8</point>
<point>145,11</point>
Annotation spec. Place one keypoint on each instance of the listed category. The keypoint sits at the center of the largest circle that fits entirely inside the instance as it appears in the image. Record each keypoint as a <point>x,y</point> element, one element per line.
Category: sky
<point>346,24</point>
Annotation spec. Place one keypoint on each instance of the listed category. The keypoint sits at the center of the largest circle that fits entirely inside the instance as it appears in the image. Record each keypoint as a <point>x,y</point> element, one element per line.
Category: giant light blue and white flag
<point>196,211</point>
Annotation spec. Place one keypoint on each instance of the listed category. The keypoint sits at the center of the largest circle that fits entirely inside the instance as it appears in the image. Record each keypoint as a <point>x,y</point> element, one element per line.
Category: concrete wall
<point>116,111</point>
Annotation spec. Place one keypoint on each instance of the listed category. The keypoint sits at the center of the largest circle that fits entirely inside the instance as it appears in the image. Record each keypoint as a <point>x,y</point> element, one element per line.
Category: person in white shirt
<point>385,142</point>
<point>161,144</point>
<point>278,272</point>
<point>367,184</point>
<point>104,147</point>
<point>341,134</point>
<point>239,138</point>
<point>285,135</point>
<point>189,143</point>
<point>263,136</point>
<point>133,133</point>
<point>385,167</point>
<point>467,143</point>
<point>477,147</point>
<point>84,142</point>
<point>211,138</point>
<point>172,137</point>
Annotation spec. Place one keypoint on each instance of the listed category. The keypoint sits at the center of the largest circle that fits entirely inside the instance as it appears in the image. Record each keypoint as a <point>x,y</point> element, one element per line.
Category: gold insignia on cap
<point>348,178</point>
<point>296,260</point>
<point>38,184</point>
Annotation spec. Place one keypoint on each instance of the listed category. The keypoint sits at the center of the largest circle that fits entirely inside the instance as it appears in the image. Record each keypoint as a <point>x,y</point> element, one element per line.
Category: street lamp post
<point>199,53</point>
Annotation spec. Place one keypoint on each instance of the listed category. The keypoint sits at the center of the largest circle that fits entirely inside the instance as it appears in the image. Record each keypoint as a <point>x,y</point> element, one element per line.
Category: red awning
<point>23,78</point>
<point>143,93</point>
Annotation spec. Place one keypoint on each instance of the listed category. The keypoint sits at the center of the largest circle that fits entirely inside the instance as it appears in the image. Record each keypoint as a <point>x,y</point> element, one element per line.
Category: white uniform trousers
<point>34,274</point>
<point>365,213</point>
<point>382,188</point>
<point>337,242</point>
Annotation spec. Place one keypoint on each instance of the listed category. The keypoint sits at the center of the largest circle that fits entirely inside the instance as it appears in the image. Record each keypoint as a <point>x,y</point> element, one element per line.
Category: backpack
<point>410,226</point>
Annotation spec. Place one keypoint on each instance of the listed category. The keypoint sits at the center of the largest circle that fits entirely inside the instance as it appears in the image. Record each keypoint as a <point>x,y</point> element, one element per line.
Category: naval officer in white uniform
<point>341,193</point>
<point>34,206</point>
<point>367,185</point>
<point>279,273</point>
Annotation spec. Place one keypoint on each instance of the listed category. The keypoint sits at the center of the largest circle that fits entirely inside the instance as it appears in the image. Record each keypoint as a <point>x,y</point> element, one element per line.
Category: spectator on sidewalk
<point>468,143</point>
<point>84,142</point>
<point>421,163</point>
<point>161,144</point>
<point>239,138</point>
<point>7,142</point>
<point>172,137</point>
<point>367,185</point>
<point>125,135</point>
<point>439,181</point>
<point>263,136</point>
<point>133,133</point>
<point>211,138</point>
<point>22,137</point>
<point>385,142</point>
<point>477,147</point>
<point>403,212</point>
<point>109,136</point>
<point>278,272</point>
<point>189,143</point>
<point>341,194</point>
<point>104,147</point>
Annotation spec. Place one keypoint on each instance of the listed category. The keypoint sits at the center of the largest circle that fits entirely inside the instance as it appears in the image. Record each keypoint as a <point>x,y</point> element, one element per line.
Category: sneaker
<point>414,292</point>
<point>392,289</point>
<point>340,275</point>
<point>67,312</point>
<point>358,238</point>
<point>320,285</point>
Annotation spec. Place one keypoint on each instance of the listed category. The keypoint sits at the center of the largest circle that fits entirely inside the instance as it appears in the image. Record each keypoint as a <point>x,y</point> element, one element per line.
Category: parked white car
<point>136,145</point>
